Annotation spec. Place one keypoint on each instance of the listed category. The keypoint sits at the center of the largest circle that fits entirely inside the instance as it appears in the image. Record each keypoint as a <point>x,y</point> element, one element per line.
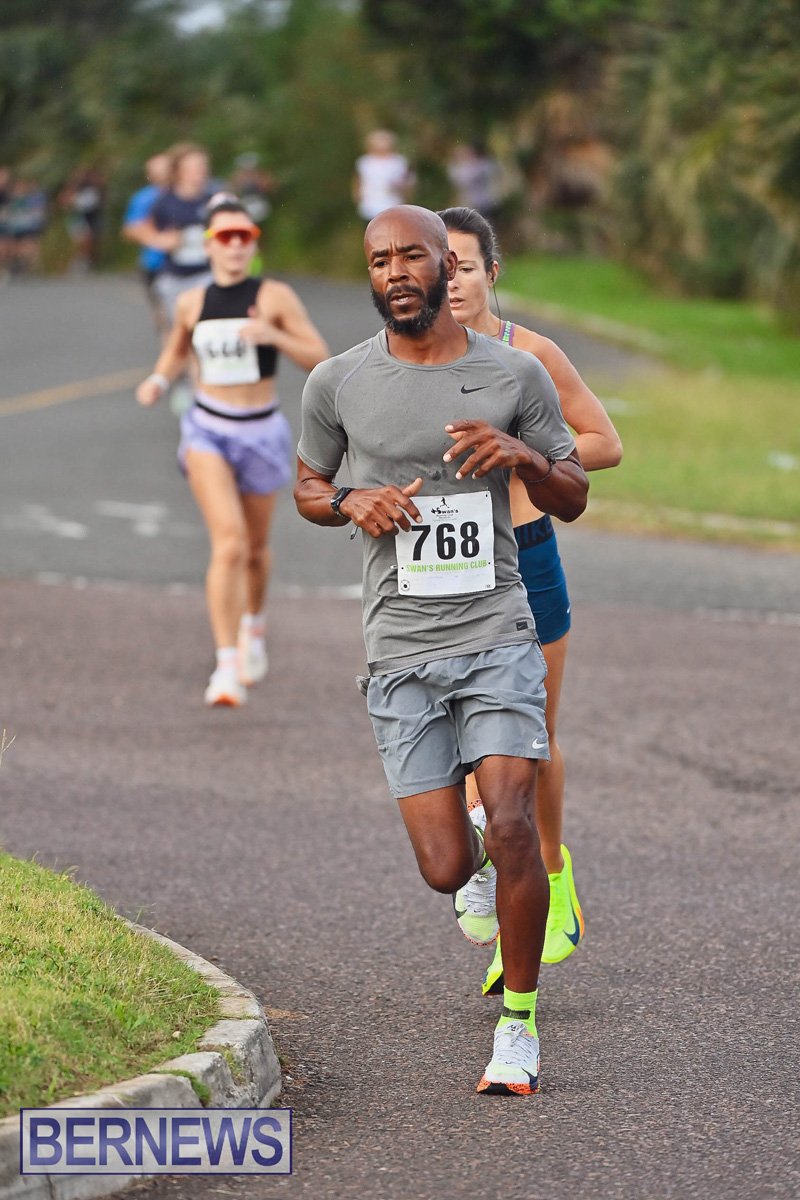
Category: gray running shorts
<point>168,287</point>
<point>433,722</point>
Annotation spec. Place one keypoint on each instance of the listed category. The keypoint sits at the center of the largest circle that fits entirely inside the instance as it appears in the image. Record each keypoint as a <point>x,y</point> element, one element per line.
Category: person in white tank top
<point>383,177</point>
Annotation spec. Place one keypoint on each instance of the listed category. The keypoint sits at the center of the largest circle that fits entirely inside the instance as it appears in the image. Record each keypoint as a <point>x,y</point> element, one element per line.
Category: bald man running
<point>431,419</point>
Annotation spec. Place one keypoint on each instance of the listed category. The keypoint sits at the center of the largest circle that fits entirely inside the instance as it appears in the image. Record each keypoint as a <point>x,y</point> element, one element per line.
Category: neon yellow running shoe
<point>493,982</point>
<point>565,919</point>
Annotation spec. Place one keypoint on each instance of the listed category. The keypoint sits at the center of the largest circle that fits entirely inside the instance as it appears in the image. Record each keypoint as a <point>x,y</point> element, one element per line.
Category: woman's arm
<point>172,359</point>
<point>279,319</point>
<point>596,438</point>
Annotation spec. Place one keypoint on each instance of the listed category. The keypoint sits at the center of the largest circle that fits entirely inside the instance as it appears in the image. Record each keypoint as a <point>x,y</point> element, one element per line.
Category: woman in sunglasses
<point>235,443</point>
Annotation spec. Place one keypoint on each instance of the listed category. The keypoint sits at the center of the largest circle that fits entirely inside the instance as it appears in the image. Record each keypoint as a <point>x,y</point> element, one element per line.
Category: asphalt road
<point>264,838</point>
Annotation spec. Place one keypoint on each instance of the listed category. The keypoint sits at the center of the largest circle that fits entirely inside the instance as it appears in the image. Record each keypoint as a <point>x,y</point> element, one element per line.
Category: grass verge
<point>704,459</point>
<point>712,440</point>
<point>84,1001</point>
<point>605,297</point>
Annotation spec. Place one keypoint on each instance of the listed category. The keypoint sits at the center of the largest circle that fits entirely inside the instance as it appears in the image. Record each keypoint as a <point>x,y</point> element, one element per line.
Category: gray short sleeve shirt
<point>387,419</point>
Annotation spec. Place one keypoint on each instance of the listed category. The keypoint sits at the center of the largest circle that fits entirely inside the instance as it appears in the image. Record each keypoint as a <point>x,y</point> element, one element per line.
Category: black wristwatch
<point>338,497</point>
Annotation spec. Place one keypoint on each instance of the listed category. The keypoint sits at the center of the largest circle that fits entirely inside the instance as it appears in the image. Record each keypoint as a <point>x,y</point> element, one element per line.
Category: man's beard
<point>433,300</point>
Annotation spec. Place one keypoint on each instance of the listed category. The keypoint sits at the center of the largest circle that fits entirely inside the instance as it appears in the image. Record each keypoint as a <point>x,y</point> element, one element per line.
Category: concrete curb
<point>236,1062</point>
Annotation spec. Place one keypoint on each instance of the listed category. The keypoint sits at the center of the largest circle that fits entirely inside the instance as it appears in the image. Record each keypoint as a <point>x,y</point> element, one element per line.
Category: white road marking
<point>289,591</point>
<point>36,518</point>
<point>348,591</point>
<point>748,614</point>
<point>147,520</point>
<point>294,591</point>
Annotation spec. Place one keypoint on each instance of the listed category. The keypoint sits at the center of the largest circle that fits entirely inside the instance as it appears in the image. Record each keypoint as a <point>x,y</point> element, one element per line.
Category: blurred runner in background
<point>175,225</point>
<point>383,177</point>
<point>5,232</point>
<point>83,199</point>
<point>26,220</point>
<point>139,208</point>
<point>475,175</point>
<point>254,187</point>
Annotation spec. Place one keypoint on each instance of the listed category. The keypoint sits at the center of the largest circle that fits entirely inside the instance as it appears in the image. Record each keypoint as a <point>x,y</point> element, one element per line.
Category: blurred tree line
<point>662,132</point>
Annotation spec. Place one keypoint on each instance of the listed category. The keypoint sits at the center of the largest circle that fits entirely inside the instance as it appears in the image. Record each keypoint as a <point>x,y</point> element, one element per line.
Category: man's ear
<point>450,261</point>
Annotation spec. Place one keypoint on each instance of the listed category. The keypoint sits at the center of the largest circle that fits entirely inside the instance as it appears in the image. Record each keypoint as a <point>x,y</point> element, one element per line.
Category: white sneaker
<point>514,1066</point>
<point>253,659</point>
<point>474,903</point>
<point>224,688</point>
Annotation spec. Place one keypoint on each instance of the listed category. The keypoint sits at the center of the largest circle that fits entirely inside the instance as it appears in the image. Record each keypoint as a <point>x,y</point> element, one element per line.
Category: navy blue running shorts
<point>543,576</point>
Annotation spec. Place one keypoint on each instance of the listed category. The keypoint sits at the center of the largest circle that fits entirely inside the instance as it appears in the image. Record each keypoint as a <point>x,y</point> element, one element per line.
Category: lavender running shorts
<point>257,449</point>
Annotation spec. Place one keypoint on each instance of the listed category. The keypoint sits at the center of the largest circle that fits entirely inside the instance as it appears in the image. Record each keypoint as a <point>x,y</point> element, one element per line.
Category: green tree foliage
<point>107,83</point>
<point>698,96</point>
<point>709,191</point>
<point>56,98</point>
<point>475,63</point>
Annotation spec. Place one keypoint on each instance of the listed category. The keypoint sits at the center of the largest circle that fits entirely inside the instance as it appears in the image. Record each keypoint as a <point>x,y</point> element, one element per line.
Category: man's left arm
<point>562,490</point>
<point>557,486</point>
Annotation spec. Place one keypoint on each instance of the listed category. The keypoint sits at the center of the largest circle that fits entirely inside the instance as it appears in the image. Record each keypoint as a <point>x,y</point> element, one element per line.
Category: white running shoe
<point>253,659</point>
<point>514,1066</point>
<point>224,688</point>
<point>474,903</point>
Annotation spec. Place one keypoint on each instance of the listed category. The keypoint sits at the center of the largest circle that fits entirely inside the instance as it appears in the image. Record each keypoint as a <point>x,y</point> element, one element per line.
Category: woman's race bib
<point>451,551</point>
<point>224,357</point>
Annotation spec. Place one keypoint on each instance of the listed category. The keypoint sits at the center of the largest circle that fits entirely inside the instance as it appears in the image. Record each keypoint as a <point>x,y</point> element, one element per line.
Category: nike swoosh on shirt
<point>466,391</point>
<point>537,745</point>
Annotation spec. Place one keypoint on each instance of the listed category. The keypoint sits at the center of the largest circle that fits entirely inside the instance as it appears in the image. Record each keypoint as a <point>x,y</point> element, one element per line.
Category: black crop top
<point>224,358</point>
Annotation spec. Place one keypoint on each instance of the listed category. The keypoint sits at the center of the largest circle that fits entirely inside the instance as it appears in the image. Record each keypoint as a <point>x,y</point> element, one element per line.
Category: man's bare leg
<point>447,848</point>
<point>508,787</point>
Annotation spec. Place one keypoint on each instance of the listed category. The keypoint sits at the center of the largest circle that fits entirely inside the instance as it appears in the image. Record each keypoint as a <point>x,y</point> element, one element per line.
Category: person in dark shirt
<point>83,199</point>
<point>26,220</point>
<point>175,225</point>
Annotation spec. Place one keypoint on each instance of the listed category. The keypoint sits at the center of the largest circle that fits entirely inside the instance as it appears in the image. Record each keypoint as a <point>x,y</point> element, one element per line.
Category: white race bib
<point>451,550</point>
<point>191,249</point>
<point>224,357</point>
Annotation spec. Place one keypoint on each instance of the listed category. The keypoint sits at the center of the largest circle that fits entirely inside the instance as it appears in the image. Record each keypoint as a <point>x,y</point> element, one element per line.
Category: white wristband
<point>161,380</point>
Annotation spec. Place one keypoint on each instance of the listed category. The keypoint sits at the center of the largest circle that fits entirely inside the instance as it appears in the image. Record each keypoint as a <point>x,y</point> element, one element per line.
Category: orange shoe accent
<point>490,1087</point>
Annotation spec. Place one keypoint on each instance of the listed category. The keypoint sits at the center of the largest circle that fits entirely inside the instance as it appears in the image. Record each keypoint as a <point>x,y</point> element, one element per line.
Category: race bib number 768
<point>450,551</point>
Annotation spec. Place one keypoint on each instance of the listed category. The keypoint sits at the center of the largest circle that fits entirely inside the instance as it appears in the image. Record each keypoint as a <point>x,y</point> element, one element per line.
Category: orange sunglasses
<point>226,236</point>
